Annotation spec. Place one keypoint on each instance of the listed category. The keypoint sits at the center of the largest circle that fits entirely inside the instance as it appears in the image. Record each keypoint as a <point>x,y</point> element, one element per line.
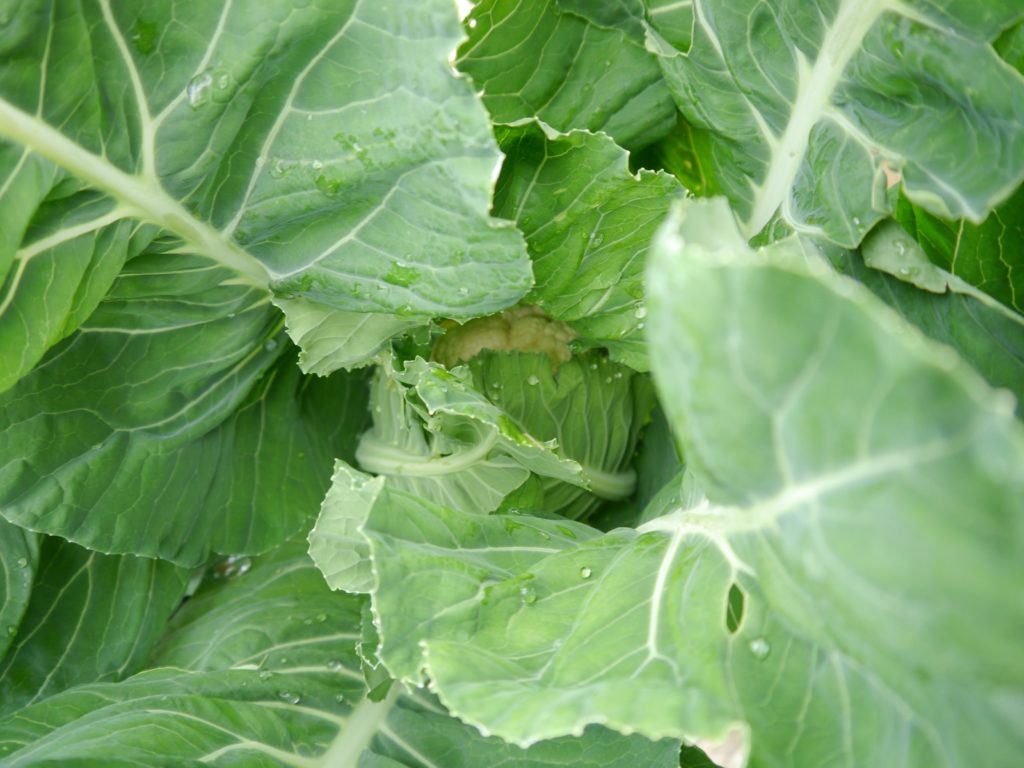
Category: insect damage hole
<point>734,609</point>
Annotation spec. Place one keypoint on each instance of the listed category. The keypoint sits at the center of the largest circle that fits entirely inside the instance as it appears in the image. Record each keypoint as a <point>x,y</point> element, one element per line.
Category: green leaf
<point>989,255</point>
<point>876,481</point>
<point>591,408</point>
<point>588,224</point>
<point>659,471</point>
<point>336,543</point>
<point>1010,46</point>
<point>201,438</point>
<point>330,339</point>
<point>862,524</point>
<point>533,59</point>
<point>435,568</point>
<point>57,260</point>
<point>533,629</point>
<point>18,560</point>
<point>437,436</point>
<point>91,618</point>
<point>819,113</point>
<point>261,669</point>
<point>259,144</point>
<point>985,333</point>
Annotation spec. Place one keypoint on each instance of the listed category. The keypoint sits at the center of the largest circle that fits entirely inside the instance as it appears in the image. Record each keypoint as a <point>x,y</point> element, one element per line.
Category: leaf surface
<point>251,134</point>
<point>260,668</point>
<point>537,58</point>
<point>91,618</point>
<point>820,606</point>
<point>819,113</point>
<point>588,223</point>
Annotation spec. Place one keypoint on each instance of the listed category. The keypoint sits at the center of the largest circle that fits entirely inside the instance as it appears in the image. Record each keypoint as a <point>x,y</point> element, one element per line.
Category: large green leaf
<point>877,484</point>
<point>989,255</point>
<point>159,431</point>
<point>588,224</point>
<point>18,560</point>
<point>985,333</point>
<point>91,618</point>
<point>260,669</point>
<point>434,570</point>
<point>532,58</point>
<point>822,606</point>
<point>253,135</point>
<point>819,111</point>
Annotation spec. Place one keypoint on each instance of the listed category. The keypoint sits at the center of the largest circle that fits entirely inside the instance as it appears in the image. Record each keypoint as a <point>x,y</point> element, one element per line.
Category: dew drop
<point>266,675</point>
<point>320,617</point>
<point>291,698</point>
<point>11,629</point>
<point>270,345</point>
<point>339,698</point>
<point>585,572</point>
<point>759,648</point>
<point>317,165</point>
<point>198,89</point>
<point>528,594</point>
<point>334,665</point>
<point>22,562</point>
<point>280,168</point>
<point>532,380</point>
<point>641,313</point>
<point>229,567</point>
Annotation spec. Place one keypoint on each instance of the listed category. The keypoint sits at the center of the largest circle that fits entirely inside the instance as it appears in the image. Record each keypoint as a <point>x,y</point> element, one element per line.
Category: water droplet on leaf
<point>291,698</point>
<point>760,648</point>
<point>585,572</point>
<point>198,89</point>
<point>528,594</point>
<point>532,380</point>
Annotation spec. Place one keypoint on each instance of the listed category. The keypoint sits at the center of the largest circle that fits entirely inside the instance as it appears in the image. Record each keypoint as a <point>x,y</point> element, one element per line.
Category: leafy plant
<point>667,355</point>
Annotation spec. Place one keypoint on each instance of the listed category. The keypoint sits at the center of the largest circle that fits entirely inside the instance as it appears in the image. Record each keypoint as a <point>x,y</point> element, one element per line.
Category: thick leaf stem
<point>363,724</point>
<point>142,197</point>
<point>817,82</point>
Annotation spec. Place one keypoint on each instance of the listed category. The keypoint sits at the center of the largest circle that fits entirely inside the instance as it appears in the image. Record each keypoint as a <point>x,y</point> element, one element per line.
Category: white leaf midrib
<point>816,84</point>
<point>139,196</point>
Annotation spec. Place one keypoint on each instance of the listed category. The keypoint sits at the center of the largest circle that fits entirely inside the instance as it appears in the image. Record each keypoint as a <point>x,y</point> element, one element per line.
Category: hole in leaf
<point>734,609</point>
